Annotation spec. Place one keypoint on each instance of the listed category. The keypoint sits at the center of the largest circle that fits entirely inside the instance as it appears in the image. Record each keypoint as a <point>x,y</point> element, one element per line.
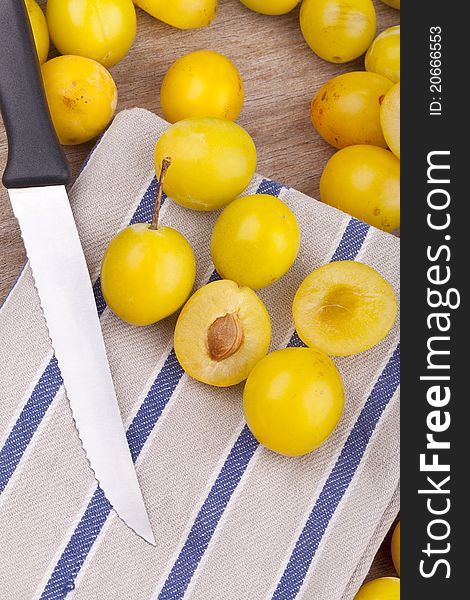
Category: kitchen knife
<point>35,176</point>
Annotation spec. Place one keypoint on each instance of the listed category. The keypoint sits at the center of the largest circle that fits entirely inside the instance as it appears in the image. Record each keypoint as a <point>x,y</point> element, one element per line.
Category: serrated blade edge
<point>63,284</point>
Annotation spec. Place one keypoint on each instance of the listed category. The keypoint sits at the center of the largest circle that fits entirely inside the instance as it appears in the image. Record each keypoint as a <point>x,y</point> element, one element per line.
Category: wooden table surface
<point>281,75</point>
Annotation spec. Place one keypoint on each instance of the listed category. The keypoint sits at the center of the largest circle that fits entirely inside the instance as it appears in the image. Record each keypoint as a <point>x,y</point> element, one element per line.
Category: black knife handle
<point>35,157</point>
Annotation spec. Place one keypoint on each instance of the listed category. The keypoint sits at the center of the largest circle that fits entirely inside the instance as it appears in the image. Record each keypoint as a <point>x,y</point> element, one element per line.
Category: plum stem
<point>166,162</point>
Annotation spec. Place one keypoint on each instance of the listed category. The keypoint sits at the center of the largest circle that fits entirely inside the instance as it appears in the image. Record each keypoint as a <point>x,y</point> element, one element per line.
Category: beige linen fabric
<point>49,490</point>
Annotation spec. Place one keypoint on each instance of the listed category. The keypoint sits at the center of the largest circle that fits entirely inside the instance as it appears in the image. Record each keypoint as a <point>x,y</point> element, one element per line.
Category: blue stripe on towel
<point>51,379</point>
<point>196,544</point>
<point>268,186</point>
<point>338,481</point>
<point>30,417</point>
<point>144,211</point>
<point>208,517</point>
<point>352,240</point>
<point>77,549</point>
<point>214,277</point>
<point>66,570</point>
<point>152,407</point>
<point>295,341</point>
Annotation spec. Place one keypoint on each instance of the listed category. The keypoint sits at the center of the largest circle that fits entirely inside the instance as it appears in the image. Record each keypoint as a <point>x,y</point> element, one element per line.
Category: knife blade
<point>35,176</point>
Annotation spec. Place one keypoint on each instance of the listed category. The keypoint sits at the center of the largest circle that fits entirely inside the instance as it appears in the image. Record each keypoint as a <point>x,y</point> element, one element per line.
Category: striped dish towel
<point>232,520</point>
